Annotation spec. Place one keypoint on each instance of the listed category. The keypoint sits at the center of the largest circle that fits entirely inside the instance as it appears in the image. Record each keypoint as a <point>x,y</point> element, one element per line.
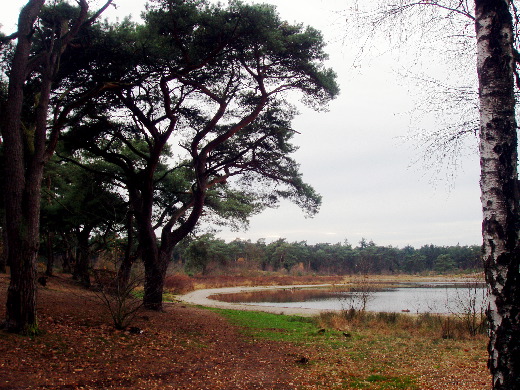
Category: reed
<point>424,324</point>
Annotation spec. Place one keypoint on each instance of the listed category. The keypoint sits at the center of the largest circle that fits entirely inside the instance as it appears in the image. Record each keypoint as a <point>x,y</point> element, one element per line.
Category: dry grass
<point>374,352</point>
<point>220,281</point>
<point>420,325</point>
<point>374,359</point>
<point>179,283</point>
<point>400,351</point>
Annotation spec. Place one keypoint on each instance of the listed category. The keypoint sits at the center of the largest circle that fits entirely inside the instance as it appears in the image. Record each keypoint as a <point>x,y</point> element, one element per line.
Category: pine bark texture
<point>21,192</point>
<point>27,147</point>
<point>499,188</point>
<point>125,268</point>
<point>3,255</point>
<point>82,266</point>
<point>157,257</point>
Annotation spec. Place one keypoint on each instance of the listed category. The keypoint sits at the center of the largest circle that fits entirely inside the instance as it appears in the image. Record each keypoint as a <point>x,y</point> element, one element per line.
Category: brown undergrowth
<point>181,283</point>
<point>179,348</point>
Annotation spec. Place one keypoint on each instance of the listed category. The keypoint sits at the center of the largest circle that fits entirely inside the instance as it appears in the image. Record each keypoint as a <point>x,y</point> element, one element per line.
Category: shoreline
<point>202,298</point>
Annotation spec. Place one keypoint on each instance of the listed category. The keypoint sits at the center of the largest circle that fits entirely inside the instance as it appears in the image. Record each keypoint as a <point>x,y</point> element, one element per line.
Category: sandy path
<point>201,297</point>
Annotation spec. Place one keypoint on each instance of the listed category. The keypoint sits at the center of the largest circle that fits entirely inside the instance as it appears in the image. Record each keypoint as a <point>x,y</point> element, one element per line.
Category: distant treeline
<point>208,254</point>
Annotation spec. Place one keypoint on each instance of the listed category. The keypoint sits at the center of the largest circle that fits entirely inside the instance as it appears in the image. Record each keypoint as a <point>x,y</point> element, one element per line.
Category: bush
<point>118,298</point>
<point>179,284</point>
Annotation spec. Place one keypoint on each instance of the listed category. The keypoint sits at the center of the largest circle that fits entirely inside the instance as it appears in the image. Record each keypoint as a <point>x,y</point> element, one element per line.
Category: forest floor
<point>188,347</point>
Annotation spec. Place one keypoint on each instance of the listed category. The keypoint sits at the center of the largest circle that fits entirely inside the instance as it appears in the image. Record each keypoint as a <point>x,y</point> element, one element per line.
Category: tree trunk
<point>68,253</point>
<point>125,268</point>
<point>154,273</point>
<point>499,188</point>
<point>21,196</point>
<point>66,261</point>
<point>21,295</point>
<point>156,259</point>
<point>155,265</point>
<point>82,266</point>
<point>3,255</point>
<point>50,254</point>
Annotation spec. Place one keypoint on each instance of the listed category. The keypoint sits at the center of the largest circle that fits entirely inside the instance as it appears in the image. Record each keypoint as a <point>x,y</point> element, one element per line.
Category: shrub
<point>179,284</point>
<point>118,297</point>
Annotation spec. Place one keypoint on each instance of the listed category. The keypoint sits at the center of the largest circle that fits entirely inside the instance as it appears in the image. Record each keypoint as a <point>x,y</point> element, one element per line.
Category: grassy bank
<point>375,352</point>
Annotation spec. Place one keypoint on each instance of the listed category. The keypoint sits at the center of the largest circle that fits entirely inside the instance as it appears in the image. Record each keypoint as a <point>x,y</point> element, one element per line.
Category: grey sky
<point>358,155</point>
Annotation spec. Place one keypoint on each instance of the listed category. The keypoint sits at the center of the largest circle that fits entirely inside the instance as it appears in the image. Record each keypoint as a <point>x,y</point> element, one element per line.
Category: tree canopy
<point>195,115</point>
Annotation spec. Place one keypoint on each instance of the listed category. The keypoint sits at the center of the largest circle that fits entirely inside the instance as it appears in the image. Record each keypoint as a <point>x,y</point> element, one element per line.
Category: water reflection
<point>414,298</point>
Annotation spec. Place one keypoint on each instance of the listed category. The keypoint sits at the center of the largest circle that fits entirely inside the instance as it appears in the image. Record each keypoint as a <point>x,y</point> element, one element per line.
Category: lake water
<point>415,298</point>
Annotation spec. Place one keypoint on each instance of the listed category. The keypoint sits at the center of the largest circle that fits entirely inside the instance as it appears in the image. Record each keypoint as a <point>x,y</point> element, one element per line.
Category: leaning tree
<point>213,85</point>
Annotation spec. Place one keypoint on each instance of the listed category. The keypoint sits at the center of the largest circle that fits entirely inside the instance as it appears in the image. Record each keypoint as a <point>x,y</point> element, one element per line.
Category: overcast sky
<point>359,155</point>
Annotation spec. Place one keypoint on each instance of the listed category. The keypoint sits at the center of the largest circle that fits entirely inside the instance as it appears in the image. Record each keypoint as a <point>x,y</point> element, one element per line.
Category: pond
<point>444,298</point>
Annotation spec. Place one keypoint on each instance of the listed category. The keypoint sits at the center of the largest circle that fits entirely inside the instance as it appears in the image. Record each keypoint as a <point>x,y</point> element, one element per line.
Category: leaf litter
<point>193,348</point>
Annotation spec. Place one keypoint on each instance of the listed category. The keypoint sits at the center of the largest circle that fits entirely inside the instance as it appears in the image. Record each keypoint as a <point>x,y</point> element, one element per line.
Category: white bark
<point>499,193</point>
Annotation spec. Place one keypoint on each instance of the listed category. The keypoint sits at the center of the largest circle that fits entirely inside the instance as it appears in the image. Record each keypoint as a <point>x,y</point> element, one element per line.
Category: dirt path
<point>181,348</point>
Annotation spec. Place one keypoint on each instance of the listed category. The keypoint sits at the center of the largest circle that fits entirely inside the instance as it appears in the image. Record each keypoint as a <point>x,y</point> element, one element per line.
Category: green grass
<point>274,326</point>
<point>373,356</point>
<point>383,382</point>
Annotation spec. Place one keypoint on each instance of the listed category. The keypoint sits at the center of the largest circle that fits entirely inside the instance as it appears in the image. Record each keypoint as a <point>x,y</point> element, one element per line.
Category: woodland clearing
<point>190,347</point>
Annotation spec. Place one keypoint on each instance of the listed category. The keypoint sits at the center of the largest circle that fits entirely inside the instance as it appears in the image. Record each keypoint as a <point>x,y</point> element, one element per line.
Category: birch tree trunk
<point>499,188</point>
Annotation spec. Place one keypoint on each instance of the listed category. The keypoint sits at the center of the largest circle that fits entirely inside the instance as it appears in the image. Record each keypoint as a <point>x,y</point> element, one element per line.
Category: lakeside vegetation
<point>361,350</point>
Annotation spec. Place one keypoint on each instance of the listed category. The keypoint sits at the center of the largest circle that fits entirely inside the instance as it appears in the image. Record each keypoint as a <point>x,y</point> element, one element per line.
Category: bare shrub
<point>447,327</point>
<point>119,299</point>
<point>360,294</point>
<point>470,308</point>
